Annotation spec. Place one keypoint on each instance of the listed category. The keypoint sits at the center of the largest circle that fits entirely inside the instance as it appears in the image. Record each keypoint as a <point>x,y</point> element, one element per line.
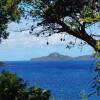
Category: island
<point>59,57</point>
<point>2,63</point>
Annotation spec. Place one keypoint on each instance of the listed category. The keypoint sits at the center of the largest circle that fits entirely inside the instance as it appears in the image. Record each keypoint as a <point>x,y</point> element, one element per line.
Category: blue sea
<point>65,79</point>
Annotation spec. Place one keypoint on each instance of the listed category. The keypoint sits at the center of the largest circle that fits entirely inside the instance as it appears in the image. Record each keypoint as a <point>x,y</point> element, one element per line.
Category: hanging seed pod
<point>37,35</point>
<point>47,43</point>
<point>43,33</point>
<point>61,39</point>
<point>49,34</point>
<point>32,27</point>
<point>30,32</point>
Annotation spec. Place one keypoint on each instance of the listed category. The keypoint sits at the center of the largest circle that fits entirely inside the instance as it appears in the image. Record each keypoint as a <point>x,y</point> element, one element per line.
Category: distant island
<point>2,63</point>
<point>59,57</point>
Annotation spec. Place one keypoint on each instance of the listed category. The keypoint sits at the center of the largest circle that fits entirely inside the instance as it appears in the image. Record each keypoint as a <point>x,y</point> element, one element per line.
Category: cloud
<point>24,39</point>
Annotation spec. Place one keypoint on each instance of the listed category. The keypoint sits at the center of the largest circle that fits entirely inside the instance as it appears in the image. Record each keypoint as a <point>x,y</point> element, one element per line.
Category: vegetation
<point>83,96</point>
<point>14,88</point>
<point>9,11</point>
<point>57,16</point>
<point>96,80</point>
<point>68,16</point>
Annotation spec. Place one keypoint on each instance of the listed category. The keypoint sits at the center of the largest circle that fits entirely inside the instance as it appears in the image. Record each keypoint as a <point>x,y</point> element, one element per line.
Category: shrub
<point>14,88</point>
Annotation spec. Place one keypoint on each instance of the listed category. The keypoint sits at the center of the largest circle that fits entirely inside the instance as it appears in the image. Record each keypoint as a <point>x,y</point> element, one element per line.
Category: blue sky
<point>23,46</point>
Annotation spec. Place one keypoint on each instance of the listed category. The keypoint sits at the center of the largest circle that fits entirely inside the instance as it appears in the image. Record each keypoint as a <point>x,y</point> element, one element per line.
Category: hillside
<point>58,57</point>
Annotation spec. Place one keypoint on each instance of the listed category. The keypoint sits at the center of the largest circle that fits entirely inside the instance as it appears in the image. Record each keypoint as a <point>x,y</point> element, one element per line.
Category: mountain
<point>58,57</point>
<point>85,57</point>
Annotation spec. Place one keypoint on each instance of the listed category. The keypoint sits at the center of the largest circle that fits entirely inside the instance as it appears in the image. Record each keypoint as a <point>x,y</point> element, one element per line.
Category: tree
<point>14,88</point>
<point>68,16</point>
<point>11,87</point>
<point>72,17</point>
<point>9,11</point>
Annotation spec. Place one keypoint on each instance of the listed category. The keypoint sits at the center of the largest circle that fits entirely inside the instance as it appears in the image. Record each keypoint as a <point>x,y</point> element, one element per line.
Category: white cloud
<point>26,40</point>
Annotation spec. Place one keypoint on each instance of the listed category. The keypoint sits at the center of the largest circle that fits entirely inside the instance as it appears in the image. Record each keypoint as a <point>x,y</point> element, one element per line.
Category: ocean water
<point>65,79</point>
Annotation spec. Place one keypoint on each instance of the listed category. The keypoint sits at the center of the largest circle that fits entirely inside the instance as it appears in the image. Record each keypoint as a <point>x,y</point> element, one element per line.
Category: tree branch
<point>79,34</point>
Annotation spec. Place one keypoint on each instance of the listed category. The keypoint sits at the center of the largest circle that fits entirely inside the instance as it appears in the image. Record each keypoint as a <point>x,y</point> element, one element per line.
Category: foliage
<point>14,88</point>
<point>11,87</point>
<point>53,10</point>
<point>96,54</point>
<point>38,94</point>
<point>83,95</point>
<point>55,15</point>
<point>98,44</point>
<point>96,80</point>
<point>85,9</point>
<point>9,11</point>
<point>67,16</point>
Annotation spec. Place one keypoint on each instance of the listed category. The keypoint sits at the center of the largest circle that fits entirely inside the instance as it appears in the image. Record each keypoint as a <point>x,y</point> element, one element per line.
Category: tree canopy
<point>9,11</point>
<point>68,16</point>
<point>57,16</point>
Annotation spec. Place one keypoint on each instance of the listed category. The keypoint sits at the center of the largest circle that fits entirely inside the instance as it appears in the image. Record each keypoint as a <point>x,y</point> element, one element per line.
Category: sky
<point>23,46</point>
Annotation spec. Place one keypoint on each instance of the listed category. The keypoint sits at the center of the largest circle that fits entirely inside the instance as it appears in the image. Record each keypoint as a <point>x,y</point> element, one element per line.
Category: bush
<point>38,94</point>
<point>14,88</point>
